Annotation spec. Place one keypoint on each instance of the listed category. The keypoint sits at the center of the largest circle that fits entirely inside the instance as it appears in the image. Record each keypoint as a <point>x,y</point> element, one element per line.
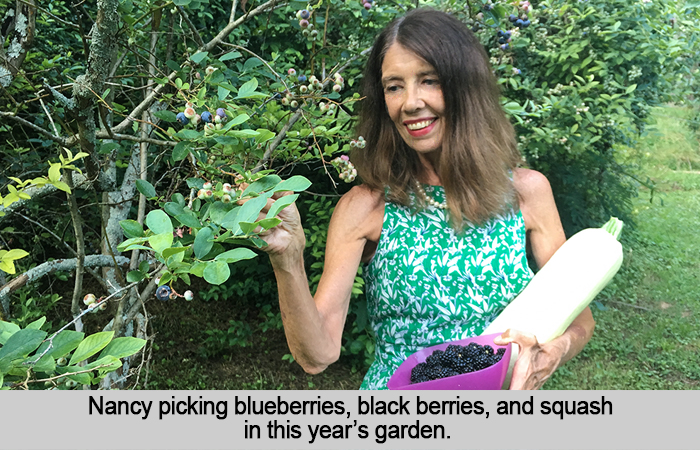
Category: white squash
<point>565,286</point>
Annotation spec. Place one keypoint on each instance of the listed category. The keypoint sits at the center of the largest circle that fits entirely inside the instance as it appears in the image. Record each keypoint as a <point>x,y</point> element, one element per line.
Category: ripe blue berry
<point>526,23</point>
<point>519,23</point>
<point>182,119</point>
<point>221,112</point>
<point>206,117</point>
<point>305,14</point>
<point>302,78</point>
<point>163,293</point>
<point>512,17</point>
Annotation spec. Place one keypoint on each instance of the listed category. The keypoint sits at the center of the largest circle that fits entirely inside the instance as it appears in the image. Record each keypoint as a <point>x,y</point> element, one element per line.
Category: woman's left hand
<point>536,362</point>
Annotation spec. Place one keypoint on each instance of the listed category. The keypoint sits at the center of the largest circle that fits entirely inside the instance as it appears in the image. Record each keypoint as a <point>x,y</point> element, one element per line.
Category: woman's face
<point>413,99</point>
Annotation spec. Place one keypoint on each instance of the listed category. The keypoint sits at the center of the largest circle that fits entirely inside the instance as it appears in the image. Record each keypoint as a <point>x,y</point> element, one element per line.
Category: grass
<point>648,320</point>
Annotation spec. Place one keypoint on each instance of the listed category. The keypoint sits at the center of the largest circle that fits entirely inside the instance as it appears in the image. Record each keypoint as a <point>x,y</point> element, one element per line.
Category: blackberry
<point>456,360</point>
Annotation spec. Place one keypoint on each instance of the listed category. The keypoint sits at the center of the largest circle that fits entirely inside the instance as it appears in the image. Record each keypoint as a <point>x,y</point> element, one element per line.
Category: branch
<point>50,267</point>
<point>57,139</point>
<point>39,192</point>
<point>189,23</point>
<point>233,24</point>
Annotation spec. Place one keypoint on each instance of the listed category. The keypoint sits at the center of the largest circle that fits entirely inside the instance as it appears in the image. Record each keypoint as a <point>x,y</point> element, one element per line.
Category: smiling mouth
<point>420,125</point>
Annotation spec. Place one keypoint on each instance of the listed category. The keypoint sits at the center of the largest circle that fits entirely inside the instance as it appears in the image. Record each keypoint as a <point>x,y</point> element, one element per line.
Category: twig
<point>631,306</point>
<point>50,267</point>
<point>197,37</point>
<point>57,139</point>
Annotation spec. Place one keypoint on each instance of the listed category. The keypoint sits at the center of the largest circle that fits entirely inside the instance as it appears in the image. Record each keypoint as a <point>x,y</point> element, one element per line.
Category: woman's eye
<point>431,82</point>
<point>391,88</point>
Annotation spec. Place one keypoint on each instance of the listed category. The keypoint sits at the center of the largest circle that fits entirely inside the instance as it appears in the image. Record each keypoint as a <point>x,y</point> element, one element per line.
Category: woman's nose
<point>414,99</point>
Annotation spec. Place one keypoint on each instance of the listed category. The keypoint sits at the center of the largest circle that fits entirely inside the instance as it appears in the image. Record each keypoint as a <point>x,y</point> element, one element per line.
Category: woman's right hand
<point>286,240</point>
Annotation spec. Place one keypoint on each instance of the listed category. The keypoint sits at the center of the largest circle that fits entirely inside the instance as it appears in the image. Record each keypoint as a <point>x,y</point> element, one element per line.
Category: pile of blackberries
<point>456,360</point>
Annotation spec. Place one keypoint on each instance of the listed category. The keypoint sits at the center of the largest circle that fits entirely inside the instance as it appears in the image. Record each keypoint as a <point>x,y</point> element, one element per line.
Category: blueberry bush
<point>178,111</point>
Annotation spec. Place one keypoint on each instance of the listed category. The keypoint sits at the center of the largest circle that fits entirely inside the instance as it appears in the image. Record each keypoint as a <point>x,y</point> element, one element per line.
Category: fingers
<point>522,338</point>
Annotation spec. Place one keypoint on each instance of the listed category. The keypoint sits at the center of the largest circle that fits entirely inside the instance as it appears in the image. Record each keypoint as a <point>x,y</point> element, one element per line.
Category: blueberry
<point>305,14</point>
<point>221,112</point>
<point>163,293</point>
<point>512,17</point>
<point>526,23</point>
<point>301,78</point>
<point>519,23</point>
<point>206,117</point>
<point>502,40</point>
<point>182,119</point>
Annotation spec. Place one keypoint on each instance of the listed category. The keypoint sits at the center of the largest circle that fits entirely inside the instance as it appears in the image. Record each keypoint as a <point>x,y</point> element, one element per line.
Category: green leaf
<point>181,150</point>
<point>144,266</point>
<point>181,2</point>
<point>46,364</point>
<point>91,345</point>
<point>14,254</point>
<point>22,343</point>
<point>243,134</point>
<point>237,254</point>
<point>174,209</point>
<point>296,183</point>
<point>55,172</point>
<point>37,324</point>
<point>630,88</point>
<point>134,276</point>
<point>160,242</point>
<point>188,134</point>
<point>109,362</point>
<point>263,184</point>
<point>146,188</point>
<point>165,115</point>
<point>7,329</point>
<point>123,346</point>
<point>230,55</point>
<point>189,219</point>
<point>239,119</point>
<point>247,227</point>
<point>248,89</point>
<point>132,229</point>
<point>159,222</point>
<point>168,252</point>
<point>216,272</point>
<point>65,342</point>
<point>280,204</point>
<point>247,213</point>
<point>199,57</point>
<point>197,269</point>
<point>219,210</point>
<point>202,243</point>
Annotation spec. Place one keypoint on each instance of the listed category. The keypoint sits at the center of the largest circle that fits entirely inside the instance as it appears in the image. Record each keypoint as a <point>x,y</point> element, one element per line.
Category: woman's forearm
<point>306,330</point>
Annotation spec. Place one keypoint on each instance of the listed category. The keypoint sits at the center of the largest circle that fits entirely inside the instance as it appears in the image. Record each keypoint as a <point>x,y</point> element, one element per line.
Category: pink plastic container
<point>490,378</point>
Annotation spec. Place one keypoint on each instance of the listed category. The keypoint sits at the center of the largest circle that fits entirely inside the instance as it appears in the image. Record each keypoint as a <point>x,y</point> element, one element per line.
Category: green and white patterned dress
<point>427,285</point>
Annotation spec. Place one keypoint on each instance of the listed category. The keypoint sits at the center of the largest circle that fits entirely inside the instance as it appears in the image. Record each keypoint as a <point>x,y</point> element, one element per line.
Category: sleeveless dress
<point>427,285</point>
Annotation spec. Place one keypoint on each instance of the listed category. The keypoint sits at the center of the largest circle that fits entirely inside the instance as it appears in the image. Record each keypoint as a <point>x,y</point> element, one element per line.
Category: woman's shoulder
<point>361,199</point>
<point>535,197</point>
<point>530,183</point>
<point>360,209</point>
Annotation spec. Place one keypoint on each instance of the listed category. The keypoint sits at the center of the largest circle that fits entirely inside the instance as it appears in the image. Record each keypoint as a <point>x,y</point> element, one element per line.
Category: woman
<point>442,216</point>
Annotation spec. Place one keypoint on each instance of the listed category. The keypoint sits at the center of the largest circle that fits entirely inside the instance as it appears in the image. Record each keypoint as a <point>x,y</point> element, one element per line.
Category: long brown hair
<point>478,148</point>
